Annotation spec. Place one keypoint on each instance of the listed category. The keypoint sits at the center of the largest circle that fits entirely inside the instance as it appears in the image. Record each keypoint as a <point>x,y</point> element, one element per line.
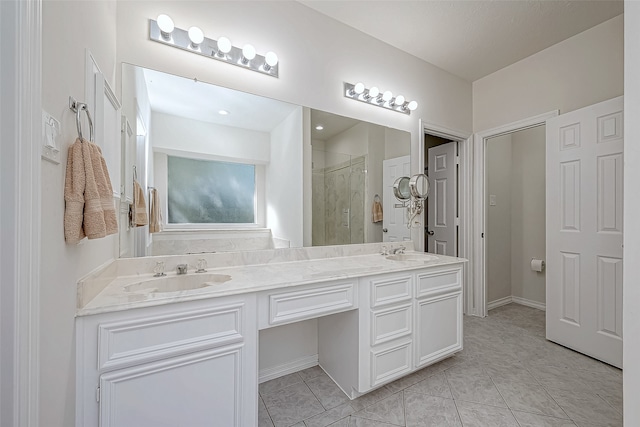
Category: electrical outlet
<point>492,200</point>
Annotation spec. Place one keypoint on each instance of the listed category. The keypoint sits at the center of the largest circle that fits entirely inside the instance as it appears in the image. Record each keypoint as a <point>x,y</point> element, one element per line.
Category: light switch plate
<point>50,133</point>
<point>492,200</point>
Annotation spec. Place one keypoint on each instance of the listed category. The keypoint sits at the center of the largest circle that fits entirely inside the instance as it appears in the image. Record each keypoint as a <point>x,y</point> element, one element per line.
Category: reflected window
<point>210,192</point>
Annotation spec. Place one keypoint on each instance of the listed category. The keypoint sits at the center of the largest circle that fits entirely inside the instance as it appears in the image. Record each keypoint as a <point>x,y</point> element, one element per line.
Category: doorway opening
<point>441,165</point>
<point>515,218</point>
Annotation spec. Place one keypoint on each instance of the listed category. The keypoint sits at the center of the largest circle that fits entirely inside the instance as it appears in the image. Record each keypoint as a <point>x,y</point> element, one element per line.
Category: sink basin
<point>172,284</point>
<point>412,257</point>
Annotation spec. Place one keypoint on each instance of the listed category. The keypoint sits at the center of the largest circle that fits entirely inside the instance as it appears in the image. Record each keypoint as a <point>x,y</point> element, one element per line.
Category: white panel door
<point>441,212</point>
<point>394,221</point>
<point>584,230</point>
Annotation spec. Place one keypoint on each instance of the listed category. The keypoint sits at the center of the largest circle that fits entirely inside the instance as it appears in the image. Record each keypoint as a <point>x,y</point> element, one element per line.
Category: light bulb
<point>248,53</point>
<point>358,88</point>
<point>271,59</point>
<point>373,92</point>
<point>196,36</point>
<point>165,23</point>
<point>412,105</point>
<point>387,96</point>
<point>224,46</point>
<point>399,100</point>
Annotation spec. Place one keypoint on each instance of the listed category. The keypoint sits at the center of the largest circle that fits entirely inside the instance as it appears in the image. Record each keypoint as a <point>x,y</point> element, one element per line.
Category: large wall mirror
<point>230,171</point>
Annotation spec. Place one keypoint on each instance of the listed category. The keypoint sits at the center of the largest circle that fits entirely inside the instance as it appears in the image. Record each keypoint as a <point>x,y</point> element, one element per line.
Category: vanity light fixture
<point>373,96</point>
<point>196,36</point>
<point>165,24</point>
<point>248,53</point>
<point>193,40</point>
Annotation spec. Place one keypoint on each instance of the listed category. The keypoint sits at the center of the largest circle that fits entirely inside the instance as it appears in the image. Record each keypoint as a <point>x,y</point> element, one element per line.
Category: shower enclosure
<point>338,187</point>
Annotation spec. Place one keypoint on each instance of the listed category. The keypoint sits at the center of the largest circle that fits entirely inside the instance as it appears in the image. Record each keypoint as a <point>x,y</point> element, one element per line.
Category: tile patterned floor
<point>508,375</point>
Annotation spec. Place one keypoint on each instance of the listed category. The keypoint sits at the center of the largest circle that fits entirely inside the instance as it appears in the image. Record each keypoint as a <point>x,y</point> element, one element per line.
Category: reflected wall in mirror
<point>228,169</point>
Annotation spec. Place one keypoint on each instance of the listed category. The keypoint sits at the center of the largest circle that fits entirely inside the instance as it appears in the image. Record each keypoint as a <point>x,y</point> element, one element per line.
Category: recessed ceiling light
<point>319,127</point>
<point>223,112</point>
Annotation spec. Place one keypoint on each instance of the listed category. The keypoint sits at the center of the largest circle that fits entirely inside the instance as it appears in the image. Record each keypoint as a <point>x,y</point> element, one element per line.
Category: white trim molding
<point>21,118</point>
<point>477,257</point>
<point>516,300</point>
<point>287,368</point>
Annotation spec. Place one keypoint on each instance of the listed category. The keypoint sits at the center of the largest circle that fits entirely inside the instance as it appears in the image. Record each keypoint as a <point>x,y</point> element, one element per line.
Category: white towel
<point>140,217</point>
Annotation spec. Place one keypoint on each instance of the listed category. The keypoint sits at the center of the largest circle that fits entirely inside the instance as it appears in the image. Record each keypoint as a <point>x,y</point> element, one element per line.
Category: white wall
<point>69,27</point>
<point>172,133</point>
<point>397,143</point>
<point>284,180</point>
<point>575,73</point>
<point>528,212</point>
<point>294,341</point>
<point>498,237</point>
<point>631,269</point>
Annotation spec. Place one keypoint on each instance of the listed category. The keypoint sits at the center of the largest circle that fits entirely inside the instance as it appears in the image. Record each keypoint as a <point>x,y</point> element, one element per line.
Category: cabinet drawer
<point>136,341</point>
<point>390,324</point>
<point>437,282</point>
<point>390,363</point>
<point>310,303</point>
<point>389,291</point>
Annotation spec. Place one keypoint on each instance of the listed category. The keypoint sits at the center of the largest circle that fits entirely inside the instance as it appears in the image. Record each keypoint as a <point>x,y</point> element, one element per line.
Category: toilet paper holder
<point>537,265</point>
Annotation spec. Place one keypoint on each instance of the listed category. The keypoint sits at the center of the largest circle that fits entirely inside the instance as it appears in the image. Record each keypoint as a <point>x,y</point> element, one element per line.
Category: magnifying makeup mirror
<point>401,189</point>
<point>419,186</point>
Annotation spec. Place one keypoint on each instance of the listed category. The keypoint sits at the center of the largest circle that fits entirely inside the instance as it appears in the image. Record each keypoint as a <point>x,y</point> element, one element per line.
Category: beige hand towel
<point>155,217</point>
<point>74,194</point>
<point>94,225</point>
<point>105,189</point>
<point>376,211</point>
<point>140,217</point>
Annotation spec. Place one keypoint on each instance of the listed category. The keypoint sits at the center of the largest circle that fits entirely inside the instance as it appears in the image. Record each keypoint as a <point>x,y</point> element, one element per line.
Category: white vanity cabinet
<point>191,363</point>
<point>405,321</point>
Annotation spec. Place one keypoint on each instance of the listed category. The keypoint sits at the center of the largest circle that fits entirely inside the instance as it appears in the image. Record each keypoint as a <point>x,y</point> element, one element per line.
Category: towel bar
<point>76,107</point>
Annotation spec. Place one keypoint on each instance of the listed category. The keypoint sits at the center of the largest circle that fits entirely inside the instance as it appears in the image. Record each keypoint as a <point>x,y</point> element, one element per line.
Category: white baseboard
<point>530,303</point>
<point>518,300</point>
<point>287,368</point>
<point>499,302</point>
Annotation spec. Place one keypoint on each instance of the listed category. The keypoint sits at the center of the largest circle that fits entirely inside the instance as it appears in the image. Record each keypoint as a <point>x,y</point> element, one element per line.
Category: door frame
<point>465,199</point>
<point>479,213</point>
<point>21,119</point>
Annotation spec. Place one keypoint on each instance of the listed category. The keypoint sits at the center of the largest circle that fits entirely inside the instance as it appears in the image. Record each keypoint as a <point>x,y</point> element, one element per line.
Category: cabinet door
<point>438,328</point>
<point>201,389</point>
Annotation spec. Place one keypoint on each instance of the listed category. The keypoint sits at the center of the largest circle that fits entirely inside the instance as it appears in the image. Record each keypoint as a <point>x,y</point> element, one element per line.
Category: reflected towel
<point>376,211</point>
<point>155,217</point>
<point>140,216</point>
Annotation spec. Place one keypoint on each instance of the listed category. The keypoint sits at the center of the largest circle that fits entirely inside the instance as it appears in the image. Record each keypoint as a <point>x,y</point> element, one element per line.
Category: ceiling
<point>470,39</point>
<point>332,124</point>
<point>195,100</point>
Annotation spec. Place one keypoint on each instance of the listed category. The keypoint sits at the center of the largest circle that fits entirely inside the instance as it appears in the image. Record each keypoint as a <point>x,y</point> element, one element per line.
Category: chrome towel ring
<point>77,107</point>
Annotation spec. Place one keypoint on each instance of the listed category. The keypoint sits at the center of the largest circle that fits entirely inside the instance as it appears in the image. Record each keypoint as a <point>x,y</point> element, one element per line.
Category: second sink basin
<point>423,257</point>
<point>172,284</point>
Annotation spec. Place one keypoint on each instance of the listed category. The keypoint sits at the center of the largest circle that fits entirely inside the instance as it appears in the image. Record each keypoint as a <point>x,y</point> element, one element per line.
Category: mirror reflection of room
<point>215,163</point>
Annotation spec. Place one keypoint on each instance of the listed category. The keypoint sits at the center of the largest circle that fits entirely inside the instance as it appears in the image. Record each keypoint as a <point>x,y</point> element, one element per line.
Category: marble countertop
<point>111,294</point>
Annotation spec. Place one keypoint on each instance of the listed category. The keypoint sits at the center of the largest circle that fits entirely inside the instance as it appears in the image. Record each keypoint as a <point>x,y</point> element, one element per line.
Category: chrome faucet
<point>201,266</point>
<point>181,269</point>
<point>399,250</point>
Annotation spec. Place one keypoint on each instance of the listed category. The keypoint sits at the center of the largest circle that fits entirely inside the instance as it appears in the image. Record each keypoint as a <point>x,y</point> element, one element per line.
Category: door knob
<point>384,230</point>
<point>429,232</point>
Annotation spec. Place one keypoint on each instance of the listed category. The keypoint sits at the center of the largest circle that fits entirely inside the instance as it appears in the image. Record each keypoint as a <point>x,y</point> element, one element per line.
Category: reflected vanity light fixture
<point>193,40</point>
<point>373,96</point>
